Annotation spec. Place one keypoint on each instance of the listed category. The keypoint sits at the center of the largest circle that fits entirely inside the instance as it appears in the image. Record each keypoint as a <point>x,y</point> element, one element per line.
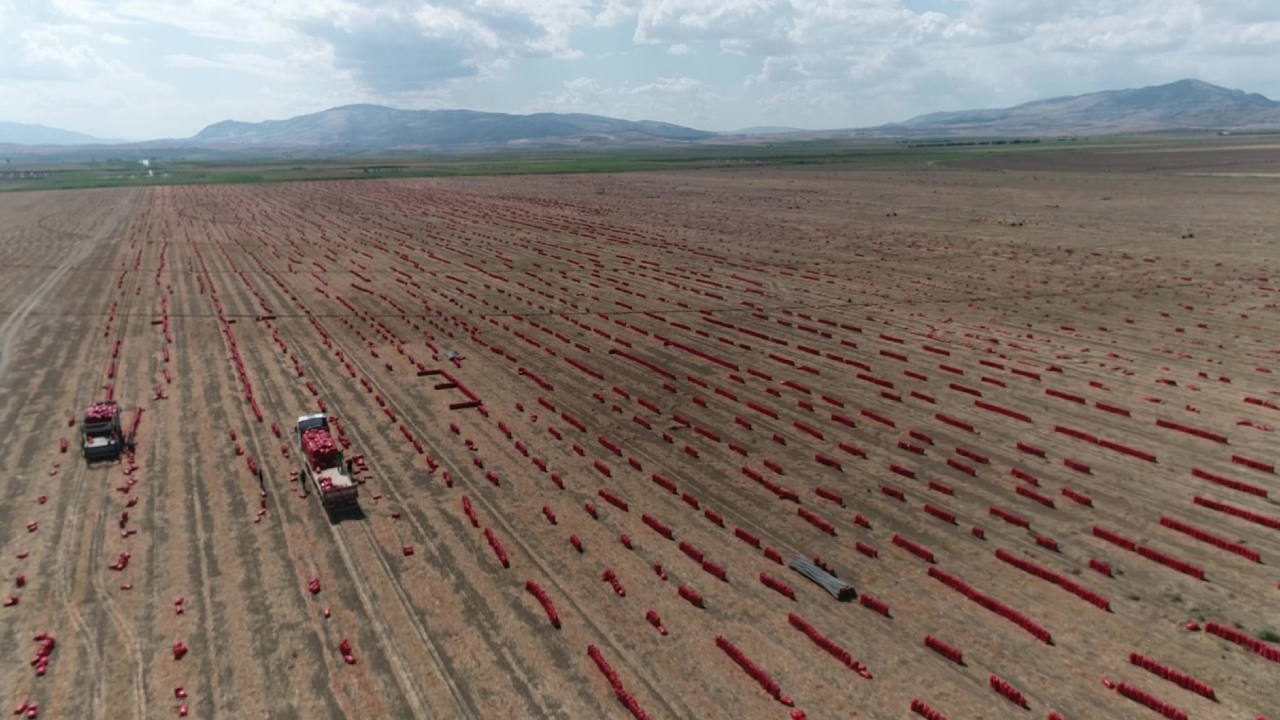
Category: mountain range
<point>375,127</point>
<point>1185,105</point>
<point>765,130</point>
<point>1181,105</point>
<point>25,134</point>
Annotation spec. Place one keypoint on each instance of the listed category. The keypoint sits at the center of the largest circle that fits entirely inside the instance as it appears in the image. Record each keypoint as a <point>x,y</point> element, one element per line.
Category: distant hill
<point>1181,105</point>
<point>765,130</point>
<point>352,130</point>
<point>375,127</point>
<point>24,134</point>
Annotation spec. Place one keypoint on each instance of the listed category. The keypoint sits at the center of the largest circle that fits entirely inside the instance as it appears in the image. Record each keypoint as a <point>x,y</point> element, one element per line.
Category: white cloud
<point>615,12</point>
<point>745,22</point>
<point>678,49</point>
<point>579,93</point>
<point>680,99</point>
<point>779,69</point>
<point>680,85</point>
<point>52,55</point>
<point>191,61</point>
<point>228,20</point>
<point>85,11</point>
<point>237,62</point>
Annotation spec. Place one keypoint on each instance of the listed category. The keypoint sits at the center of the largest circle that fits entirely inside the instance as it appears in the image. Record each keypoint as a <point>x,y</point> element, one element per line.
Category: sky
<point>146,69</point>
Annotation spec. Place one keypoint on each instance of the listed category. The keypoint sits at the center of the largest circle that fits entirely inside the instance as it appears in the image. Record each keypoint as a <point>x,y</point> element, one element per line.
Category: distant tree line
<point>973,143</point>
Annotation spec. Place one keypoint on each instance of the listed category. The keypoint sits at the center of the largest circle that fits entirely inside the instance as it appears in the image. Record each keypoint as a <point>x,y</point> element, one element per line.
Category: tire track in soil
<point>220,391</point>
<point>168,465</point>
<point>67,505</point>
<point>480,497</point>
<point>184,473</point>
<point>440,560</point>
<point>203,568</point>
<point>338,552</point>
<point>63,587</point>
<point>442,563</point>
<point>445,671</point>
<point>481,492</point>
<point>281,515</point>
<point>127,385</point>
<point>192,503</point>
<point>43,395</point>
<point>413,695</point>
<point>11,328</point>
<point>158,463</point>
<point>118,621</point>
<point>347,553</point>
<point>365,591</point>
<point>73,501</point>
<point>202,563</point>
<point>475,599</point>
<point>252,585</point>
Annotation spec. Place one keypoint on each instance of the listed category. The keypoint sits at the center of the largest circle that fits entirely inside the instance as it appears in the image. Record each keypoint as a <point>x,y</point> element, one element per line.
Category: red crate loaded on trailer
<point>324,464</point>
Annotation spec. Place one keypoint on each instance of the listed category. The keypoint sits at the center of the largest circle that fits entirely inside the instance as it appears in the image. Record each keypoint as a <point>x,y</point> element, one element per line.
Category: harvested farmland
<point>722,444</point>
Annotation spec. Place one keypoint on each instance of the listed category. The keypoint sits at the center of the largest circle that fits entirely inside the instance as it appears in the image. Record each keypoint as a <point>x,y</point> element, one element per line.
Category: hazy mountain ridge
<point>1181,105</point>
<point>1185,105</point>
<point>766,130</point>
<point>379,127</point>
<point>33,134</point>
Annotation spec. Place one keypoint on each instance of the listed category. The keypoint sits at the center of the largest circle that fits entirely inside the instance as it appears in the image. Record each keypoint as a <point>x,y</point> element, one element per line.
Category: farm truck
<point>101,437</point>
<point>323,464</point>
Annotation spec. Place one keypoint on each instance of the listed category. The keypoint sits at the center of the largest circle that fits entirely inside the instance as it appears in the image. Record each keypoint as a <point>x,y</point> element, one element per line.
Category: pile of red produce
<point>99,412</point>
<point>320,448</point>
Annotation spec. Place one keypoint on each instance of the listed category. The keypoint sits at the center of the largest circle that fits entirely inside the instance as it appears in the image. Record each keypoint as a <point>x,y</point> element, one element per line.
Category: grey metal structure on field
<point>832,584</point>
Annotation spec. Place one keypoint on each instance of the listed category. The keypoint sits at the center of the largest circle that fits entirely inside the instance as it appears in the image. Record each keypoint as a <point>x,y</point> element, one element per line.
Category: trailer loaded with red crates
<point>101,435</point>
<point>323,463</point>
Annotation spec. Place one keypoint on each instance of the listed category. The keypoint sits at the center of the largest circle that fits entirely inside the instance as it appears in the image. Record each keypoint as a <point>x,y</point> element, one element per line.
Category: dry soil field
<point>1028,415</point>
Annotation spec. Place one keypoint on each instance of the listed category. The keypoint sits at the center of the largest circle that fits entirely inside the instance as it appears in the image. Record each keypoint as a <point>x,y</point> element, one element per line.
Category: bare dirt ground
<point>975,342</point>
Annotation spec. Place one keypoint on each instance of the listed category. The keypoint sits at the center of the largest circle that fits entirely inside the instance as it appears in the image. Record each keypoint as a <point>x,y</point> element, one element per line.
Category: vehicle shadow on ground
<point>348,514</point>
<point>103,461</point>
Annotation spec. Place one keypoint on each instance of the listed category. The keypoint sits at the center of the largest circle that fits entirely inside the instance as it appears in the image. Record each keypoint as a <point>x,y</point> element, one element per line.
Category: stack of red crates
<point>320,448</point>
<point>98,412</point>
